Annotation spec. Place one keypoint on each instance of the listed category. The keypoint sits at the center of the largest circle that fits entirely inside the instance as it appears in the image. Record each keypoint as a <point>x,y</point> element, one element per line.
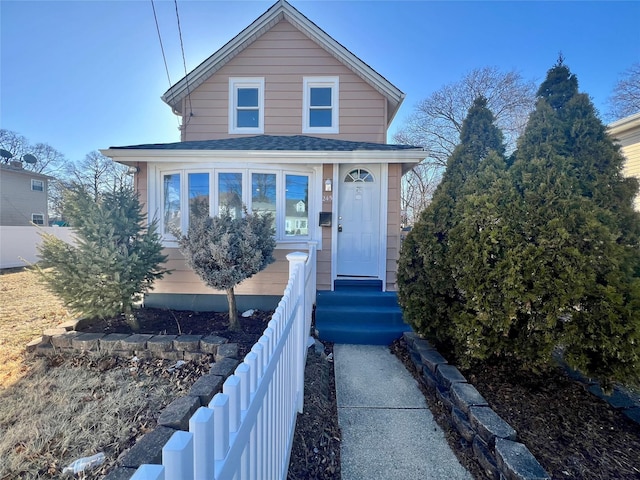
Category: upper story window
<point>320,105</point>
<point>246,105</point>
<point>37,218</point>
<point>37,185</point>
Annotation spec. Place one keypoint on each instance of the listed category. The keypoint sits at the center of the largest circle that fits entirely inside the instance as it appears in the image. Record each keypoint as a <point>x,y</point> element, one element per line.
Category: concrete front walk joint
<point>388,432</point>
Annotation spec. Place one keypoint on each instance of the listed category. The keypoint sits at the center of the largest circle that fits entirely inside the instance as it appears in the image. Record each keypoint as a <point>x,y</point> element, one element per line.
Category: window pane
<point>319,118</point>
<point>230,193</point>
<point>247,97</point>
<point>263,194</point>
<point>171,201</point>
<point>321,97</point>
<point>37,185</point>
<point>37,218</point>
<point>297,202</point>
<point>248,119</point>
<point>198,195</point>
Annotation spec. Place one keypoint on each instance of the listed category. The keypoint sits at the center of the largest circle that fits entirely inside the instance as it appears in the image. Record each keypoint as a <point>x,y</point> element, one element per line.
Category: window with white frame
<point>246,105</point>
<point>37,218</point>
<point>320,106</point>
<point>284,194</point>
<point>37,185</point>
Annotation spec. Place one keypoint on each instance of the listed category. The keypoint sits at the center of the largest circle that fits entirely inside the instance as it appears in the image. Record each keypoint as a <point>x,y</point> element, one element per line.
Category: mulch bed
<point>572,433</point>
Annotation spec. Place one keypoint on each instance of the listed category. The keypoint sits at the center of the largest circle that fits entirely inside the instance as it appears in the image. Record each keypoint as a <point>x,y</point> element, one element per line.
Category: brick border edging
<point>175,416</point>
<point>492,439</point>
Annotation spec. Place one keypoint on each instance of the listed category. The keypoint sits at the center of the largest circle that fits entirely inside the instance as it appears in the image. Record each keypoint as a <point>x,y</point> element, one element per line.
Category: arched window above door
<point>359,175</point>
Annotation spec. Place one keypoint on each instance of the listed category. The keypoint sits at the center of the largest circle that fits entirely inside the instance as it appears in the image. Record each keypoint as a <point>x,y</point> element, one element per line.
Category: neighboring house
<point>23,196</point>
<point>627,133</point>
<point>285,119</point>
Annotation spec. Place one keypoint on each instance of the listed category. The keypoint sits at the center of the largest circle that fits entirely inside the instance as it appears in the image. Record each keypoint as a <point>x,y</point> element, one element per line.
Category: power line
<point>184,62</point>
<point>164,57</point>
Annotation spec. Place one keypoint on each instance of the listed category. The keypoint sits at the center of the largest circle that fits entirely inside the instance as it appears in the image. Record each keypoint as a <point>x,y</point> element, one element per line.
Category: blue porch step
<point>359,312</point>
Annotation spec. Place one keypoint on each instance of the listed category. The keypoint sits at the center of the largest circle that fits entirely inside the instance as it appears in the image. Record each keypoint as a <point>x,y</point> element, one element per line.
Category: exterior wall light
<point>327,185</point>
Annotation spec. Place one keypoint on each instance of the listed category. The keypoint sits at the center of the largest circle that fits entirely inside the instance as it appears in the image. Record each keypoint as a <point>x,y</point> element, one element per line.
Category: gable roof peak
<point>274,14</point>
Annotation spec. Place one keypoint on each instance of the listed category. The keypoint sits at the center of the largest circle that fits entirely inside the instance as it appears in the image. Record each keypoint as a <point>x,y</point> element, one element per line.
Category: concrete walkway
<point>388,431</point>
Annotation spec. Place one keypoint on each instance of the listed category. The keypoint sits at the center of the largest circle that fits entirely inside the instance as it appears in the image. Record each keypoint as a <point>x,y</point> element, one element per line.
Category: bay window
<point>284,194</point>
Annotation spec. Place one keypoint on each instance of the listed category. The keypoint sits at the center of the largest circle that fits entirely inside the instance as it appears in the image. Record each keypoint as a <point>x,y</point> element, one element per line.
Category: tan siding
<point>323,274</point>
<point>632,166</point>
<point>271,281</point>
<point>283,55</point>
<point>393,225</point>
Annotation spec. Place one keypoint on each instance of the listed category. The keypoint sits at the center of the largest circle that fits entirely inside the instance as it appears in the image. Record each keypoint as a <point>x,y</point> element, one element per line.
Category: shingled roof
<point>273,142</point>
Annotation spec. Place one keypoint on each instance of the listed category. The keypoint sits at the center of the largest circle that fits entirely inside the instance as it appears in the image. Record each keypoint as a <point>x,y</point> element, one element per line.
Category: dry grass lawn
<point>26,310</point>
<point>55,410</point>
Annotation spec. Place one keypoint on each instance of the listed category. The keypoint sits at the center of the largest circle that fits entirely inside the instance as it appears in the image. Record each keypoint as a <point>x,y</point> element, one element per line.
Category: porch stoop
<point>359,312</point>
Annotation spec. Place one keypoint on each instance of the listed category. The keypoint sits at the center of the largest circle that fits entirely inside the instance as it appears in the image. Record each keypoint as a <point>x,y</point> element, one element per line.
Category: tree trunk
<point>131,319</point>
<point>234,323</point>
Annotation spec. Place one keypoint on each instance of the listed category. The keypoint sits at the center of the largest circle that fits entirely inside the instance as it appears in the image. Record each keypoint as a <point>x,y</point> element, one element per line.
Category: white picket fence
<point>246,432</point>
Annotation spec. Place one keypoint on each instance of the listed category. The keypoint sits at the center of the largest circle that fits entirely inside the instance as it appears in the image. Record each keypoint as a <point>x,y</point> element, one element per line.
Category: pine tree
<point>571,271</point>
<point>114,261</point>
<point>426,284</point>
<point>224,251</point>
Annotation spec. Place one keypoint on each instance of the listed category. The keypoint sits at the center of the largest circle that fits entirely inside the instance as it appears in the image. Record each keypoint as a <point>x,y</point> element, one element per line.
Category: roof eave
<point>123,155</point>
<point>624,124</point>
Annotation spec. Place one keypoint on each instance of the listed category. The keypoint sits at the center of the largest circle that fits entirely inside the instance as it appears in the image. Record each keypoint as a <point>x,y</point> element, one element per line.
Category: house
<point>627,133</point>
<point>23,196</point>
<point>285,119</point>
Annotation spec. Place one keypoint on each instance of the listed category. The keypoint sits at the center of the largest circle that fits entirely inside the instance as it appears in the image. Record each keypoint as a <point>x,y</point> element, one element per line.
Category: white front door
<point>358,253</point>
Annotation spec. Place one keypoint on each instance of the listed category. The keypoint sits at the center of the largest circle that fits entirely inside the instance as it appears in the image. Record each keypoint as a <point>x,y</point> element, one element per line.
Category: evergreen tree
<point>114,261</point>
<point>224,251</point>
<point>571,269</point>
<point>426,284</point>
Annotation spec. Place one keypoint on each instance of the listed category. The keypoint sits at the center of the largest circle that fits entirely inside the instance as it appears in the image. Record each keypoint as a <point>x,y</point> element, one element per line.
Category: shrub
<point>114,261</point>
<point>224,251</point>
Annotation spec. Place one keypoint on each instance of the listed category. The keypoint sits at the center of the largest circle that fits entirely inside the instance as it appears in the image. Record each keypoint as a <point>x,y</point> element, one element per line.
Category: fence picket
<point>201,426</point>
<point>177,456</point>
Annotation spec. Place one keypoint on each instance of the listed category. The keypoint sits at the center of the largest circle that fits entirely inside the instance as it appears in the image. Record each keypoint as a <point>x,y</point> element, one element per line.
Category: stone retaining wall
<point>65,338</point>
<point>176,415</point>
<point>494,441</point>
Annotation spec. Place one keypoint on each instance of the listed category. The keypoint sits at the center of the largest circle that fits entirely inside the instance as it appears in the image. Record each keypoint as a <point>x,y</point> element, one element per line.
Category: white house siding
<point>283,56</point>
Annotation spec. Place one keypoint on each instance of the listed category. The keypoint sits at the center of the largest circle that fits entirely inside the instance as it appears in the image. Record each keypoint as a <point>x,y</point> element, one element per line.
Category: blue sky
<point>85,75</point>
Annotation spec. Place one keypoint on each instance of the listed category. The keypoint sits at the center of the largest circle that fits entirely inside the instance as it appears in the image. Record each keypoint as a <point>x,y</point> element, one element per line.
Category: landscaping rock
<point>187,343</point>
<point>485,459</point>
<point>224,367</point>
<point>489,425</point>
<point>112,341</point>
<point>87,341</point>
<point>31,346</point>
<point>432,359</point>
<point>228,350</point>
<point>176,415</point>
<point>429,378</point>
<point>210,343</point>
<point>448,375</point>
<point>161,343</point>
<point>462,424</point>
<point>136,342</point>
<point>52,332</point>
<point>206,387</point>
<point>516,462</point>
<point>148,449</point>
<point>65,340</point>
<point>465,395</point>
<point>120,473</point>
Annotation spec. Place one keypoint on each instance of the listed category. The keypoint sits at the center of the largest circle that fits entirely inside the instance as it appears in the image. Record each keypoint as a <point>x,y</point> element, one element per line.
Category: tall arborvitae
<point>426,285</point>
<point>570,275</point>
